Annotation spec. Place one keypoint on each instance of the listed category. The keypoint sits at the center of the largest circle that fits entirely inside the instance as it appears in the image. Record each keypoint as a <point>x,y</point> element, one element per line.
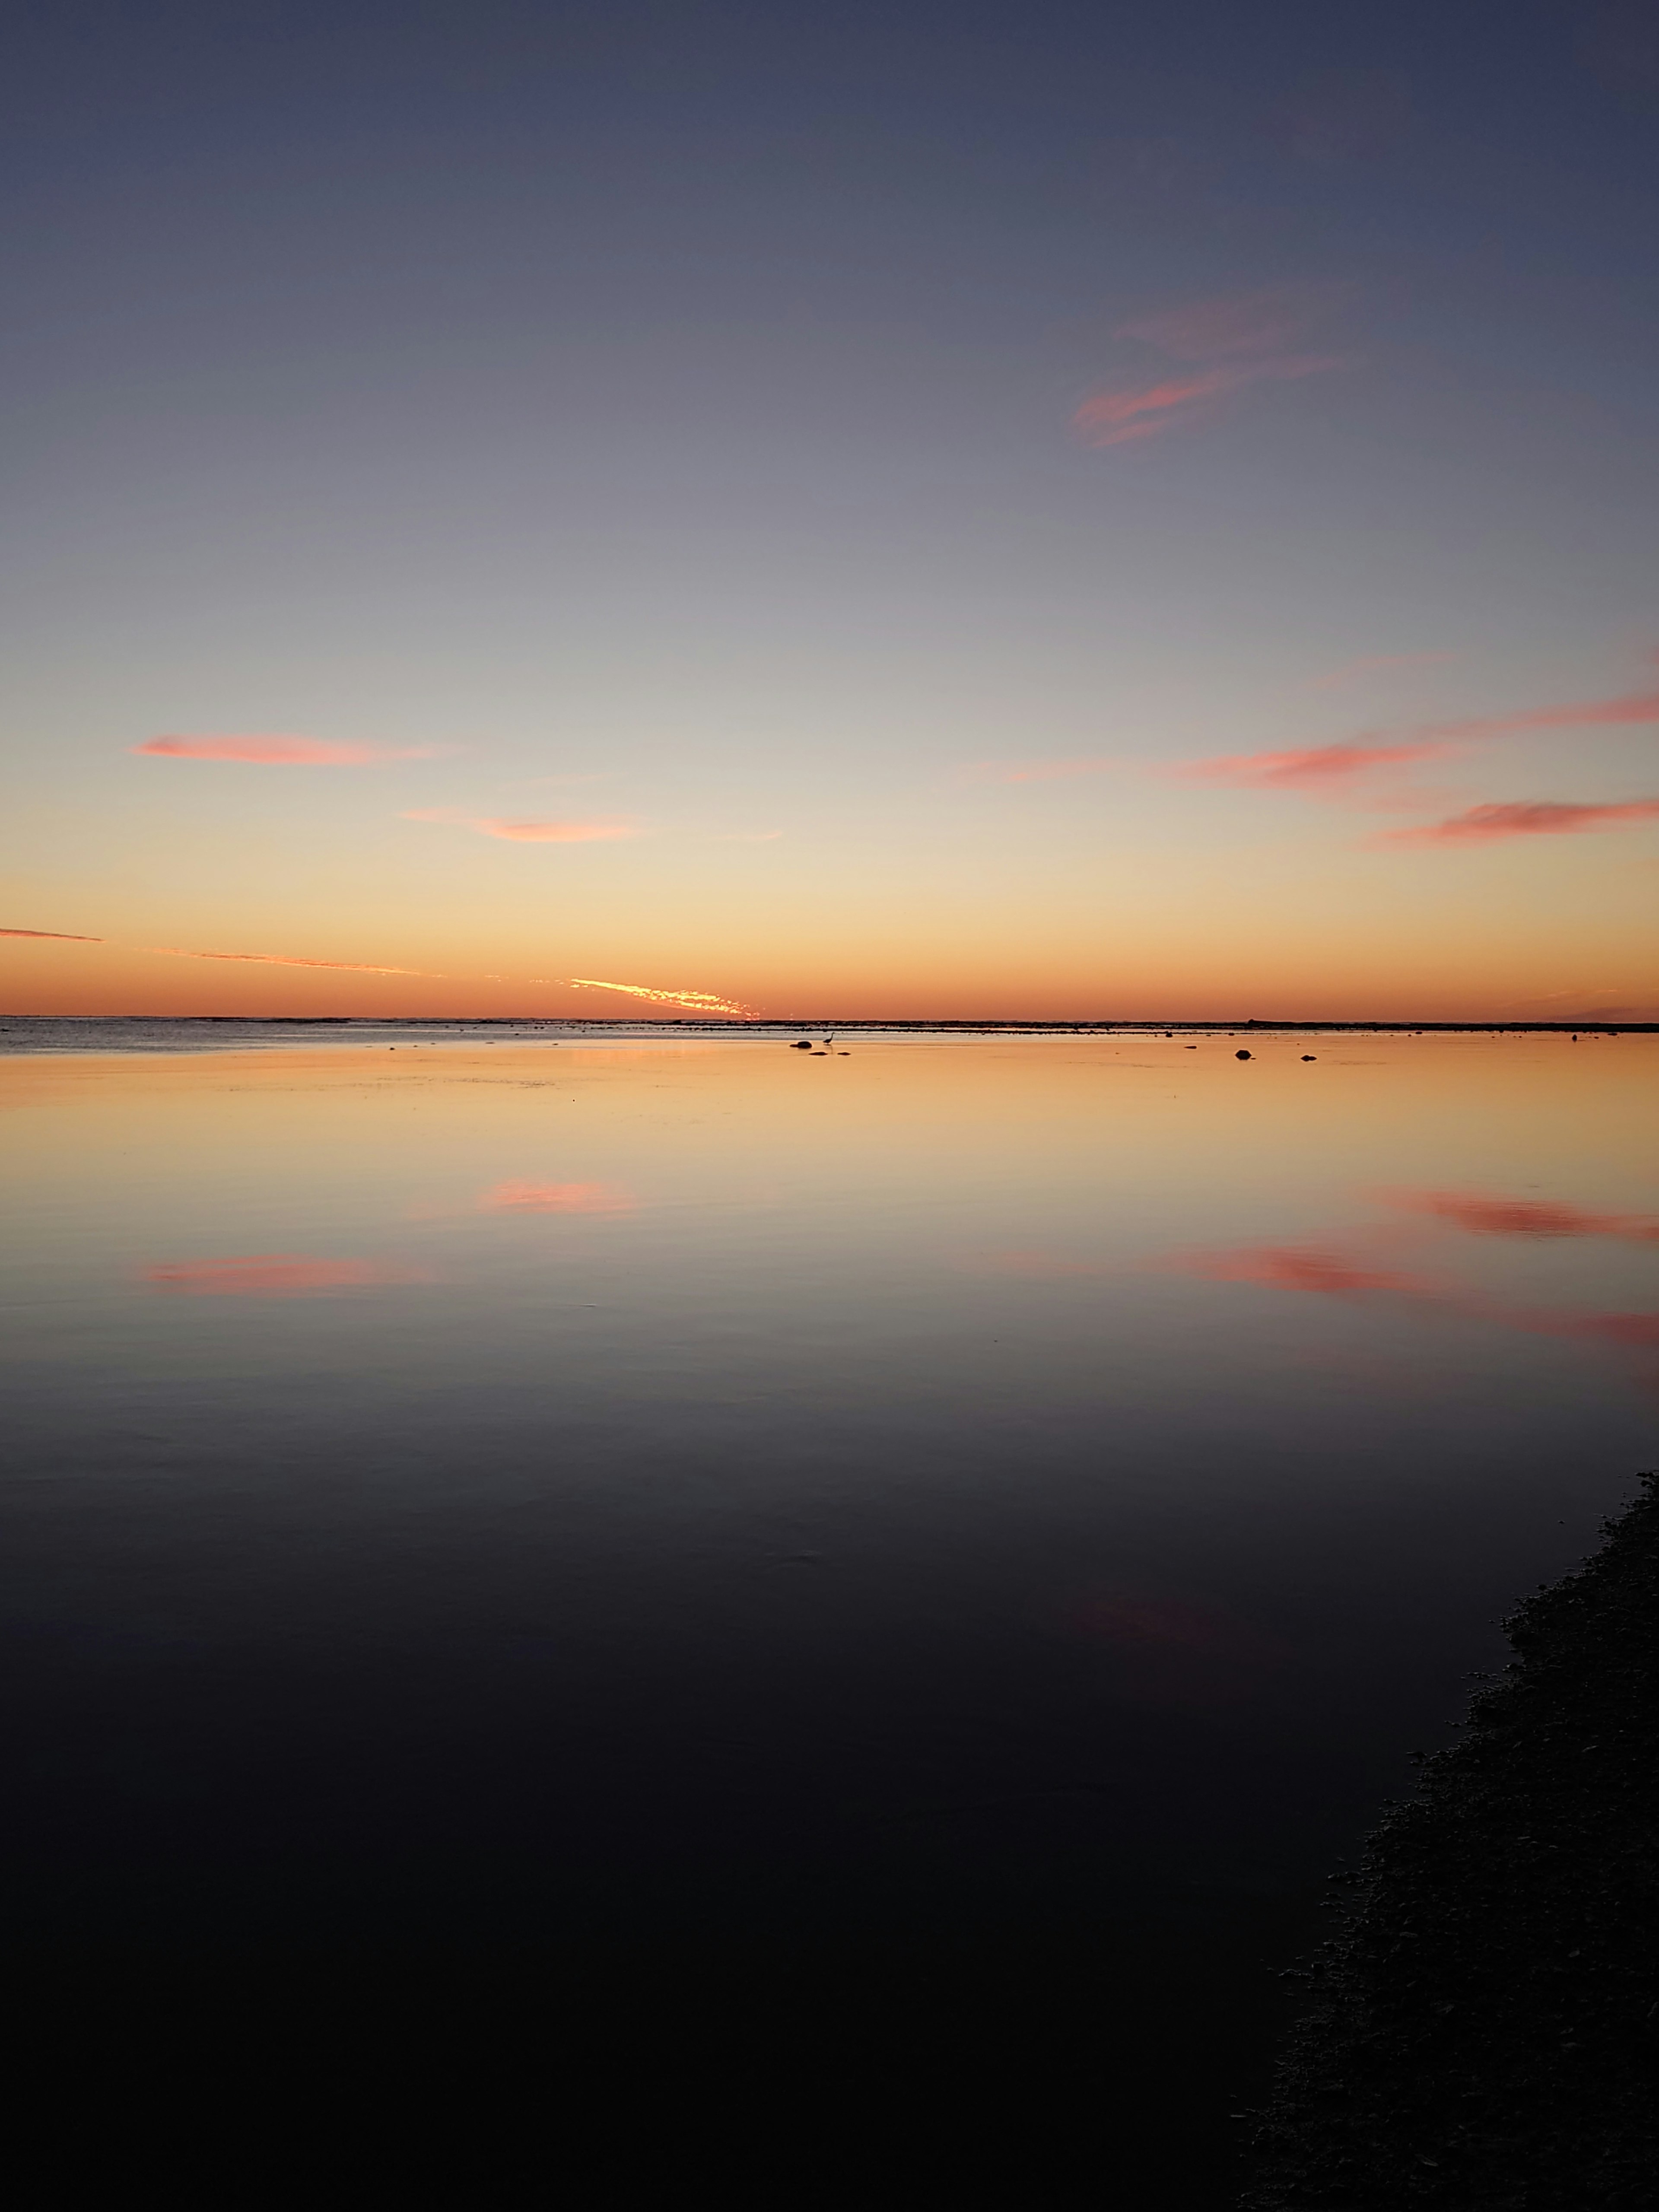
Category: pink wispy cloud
<point>1037,771</point>
<point>61,936</point>
<point>526,833</point>
<point>702,1002</point>
<point>1117,416</point>
<point>1534,818</point>
<point>1248,339</point>
<point>275,1275</point>
<point>1630,709</point>
<point>1329,769</point>
<point>280,751</point>
<point>284,960</point>
<point>557,1198</point>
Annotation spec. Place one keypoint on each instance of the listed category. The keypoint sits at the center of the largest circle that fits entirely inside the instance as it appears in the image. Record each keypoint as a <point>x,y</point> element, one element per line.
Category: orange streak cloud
<point>1483,1216</point>
<point>273,1275</point>
<point>64,936</point>
<point>280,752</point>
<point>283,960</point>
<point>557,1198</point>
<point>1538,818</point>
<point>704,1002</point>
<point>1307,768</point>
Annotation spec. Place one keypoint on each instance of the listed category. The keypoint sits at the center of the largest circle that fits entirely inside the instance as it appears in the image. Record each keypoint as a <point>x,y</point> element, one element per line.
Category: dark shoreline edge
<point>1483,2029</point>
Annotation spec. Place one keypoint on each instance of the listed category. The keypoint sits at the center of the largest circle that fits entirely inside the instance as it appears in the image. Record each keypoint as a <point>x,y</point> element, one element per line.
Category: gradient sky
<point>1049,511</point>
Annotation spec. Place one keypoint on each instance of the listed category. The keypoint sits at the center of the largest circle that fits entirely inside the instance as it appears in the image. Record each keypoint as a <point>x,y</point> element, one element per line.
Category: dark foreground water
<point>878,1585</point>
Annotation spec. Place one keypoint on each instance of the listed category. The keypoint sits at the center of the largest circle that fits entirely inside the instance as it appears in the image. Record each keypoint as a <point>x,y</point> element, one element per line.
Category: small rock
<point>1241,1055</point>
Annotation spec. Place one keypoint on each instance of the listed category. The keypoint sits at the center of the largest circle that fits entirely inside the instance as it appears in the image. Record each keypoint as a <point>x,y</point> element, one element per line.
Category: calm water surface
<point>1028,1492</point>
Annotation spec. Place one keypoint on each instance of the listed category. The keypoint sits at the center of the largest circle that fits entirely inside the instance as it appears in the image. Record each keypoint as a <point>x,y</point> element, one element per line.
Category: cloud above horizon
<point>1534,818</point>
<point>284,960</point>
<point>1231,342</point>
<point>62,936</point>
<point>280,751</point>
<point>702,1002</point>
<point>525,833</point>
<point>1326,768</point>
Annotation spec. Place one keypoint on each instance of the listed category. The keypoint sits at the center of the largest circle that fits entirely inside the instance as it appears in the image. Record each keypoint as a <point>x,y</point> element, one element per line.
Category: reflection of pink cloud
<point>557,1198</point>
<point>281,752</point>
<point>1037,1265</point>
<point>1039,771</point>
<point>1292,1268</point>
<point>275,1275</point>
<point>1537,817</point>
<point>1297,1268</point>
<point>283,960</point>
<point>1482,1215</point>
<point>1305,768</point>
<point>63,936</point>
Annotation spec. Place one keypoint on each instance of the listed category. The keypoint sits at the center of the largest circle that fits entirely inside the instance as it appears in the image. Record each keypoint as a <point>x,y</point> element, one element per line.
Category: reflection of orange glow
<point>275,1275</point>
<point>557,1198</point>
<point>1174,1652</point>
<point>1298,1267</point>
<point>1524,1217</point>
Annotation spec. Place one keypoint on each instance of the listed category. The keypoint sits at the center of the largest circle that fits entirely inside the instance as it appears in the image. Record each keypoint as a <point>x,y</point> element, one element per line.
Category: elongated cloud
<point>1537,817</point>
<point>1250,339</point>
<point>281,752</point>
<point>284,960</point>
<point>525,833</point>
<point>1306,767</point>
<point>1630,709</point>
<point>702,1002</point>
<point>1114,417</point>
<point>1482,1215</point>
<point>1037,771</point>
<point>275,1275</point>
<point>60,936</point>
<point>557,1198</point>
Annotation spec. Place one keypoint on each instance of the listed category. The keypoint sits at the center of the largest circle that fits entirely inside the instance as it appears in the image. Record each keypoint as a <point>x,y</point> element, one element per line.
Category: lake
<point>957,1535</point>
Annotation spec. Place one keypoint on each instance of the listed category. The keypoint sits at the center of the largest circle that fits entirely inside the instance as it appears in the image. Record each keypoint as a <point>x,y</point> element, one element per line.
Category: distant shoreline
<point>847,1024</point>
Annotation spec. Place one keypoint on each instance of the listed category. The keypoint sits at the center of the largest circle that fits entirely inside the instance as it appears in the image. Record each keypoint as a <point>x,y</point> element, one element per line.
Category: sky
<point>1028,511</point>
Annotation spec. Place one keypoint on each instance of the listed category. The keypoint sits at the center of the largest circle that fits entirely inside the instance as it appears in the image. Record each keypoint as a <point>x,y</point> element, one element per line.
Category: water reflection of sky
<point>715,1485</point>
